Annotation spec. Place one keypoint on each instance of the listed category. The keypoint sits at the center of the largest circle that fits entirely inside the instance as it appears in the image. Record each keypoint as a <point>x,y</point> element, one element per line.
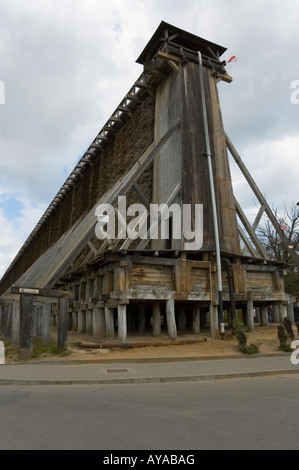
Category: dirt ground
<point>264,336</point>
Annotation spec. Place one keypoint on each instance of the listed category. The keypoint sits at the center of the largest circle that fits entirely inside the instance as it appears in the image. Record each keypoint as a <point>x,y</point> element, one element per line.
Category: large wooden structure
<point>153,151</point>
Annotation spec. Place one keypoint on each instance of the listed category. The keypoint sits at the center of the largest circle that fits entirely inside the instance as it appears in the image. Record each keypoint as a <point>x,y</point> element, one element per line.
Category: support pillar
<point>26,326</point>
<point>63,323</point>
<point>291,312</point>
<point>182,319</point>
<point>170,318</point>
<point>15,332</point>
<point>109,320</point>
<point>46,323</point>
<point>250,317</point>
<point>214,325</point>
<point>122,323</point>
<point>196,320</point>
<point>7,321</point>
<point>99,328</point>
<point>74,321</point>
<point>81,322</point>
<point>156,319</point>
<point>282,312</point>
<point>275,314</point>
<point>264,316</point>
<point>89,322</point>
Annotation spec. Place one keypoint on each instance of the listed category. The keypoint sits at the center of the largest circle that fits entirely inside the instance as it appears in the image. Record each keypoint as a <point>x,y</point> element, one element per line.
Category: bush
<point>237,325</point>
<point>251,349</point>
<point>283,337</point>
<point>288,327</point>
<point>242,338</point>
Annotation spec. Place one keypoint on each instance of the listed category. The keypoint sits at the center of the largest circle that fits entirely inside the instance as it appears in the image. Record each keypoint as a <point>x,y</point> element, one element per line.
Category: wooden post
<point>15,333</point>
<point>89,322</point>
<point>291,312</point>
<point>214,325</point>
<point>196,320</point>
<point>99,329</point>
<point>122,323</point>
<point>275,314</point>
<point>7,321</point>
<point>81,321</point>
<point>264,316</point>
<point>46,323</point>
<point>74,321</point>
<point>63,323</point>
<point>282,312</point>
<point>109,320</point>
<point>156,319</point>
<point>249,316</point>
<point>170,318</point>
<point>26,326</point>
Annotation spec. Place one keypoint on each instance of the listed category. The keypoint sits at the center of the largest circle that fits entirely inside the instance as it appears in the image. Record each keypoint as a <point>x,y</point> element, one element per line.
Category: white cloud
<point>66,66</point>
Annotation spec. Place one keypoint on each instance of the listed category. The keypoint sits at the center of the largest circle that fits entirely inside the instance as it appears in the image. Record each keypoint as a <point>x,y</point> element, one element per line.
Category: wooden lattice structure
<point>153,151</point>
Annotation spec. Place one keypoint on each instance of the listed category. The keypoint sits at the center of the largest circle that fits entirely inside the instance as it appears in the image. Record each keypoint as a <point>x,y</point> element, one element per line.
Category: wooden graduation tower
<point>164,144</point>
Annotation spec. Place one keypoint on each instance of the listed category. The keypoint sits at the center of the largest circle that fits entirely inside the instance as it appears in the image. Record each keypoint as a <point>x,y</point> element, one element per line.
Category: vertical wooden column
<point>196,320</point>
<point>249,315</point>
<point>264,316</point>
<point>122,323</point>
<point>63,323</point>
<point>275,314</point>
<point>109,320</point>
<point>156,319</point>
<point>99,328</point>
<point>89,322</point>
<point>170,318</point>
<point>214,325</point>
<point>291,312</point>
<point>7,321</point>
<point>15,333</point>
<point>46,323</point>
<point>26,326</point>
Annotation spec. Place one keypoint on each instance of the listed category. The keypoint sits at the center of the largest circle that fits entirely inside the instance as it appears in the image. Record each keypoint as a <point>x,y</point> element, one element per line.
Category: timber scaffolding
<point>153,151</point>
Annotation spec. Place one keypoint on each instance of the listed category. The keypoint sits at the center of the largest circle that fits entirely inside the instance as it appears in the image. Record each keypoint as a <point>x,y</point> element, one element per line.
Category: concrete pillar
<point>170,318</point>
<point>122,323</point>
<point>196,320</point>
<point>74,321</point>
<point>46,323</point>
<point>250,318</point>
<point>63,323</point>
<point>26,326</point>
<point>109,321</point>
<point>156,319</point>
<point>264,316</point>
<point>282,312</point>
<point>214,325</point>
<point>99,328</point>
<point>81,322</point>
<point>290,310</point>
<point>141,314</point>
<point>275,314</point>
<point>89,322</point>
<point>15,332</point>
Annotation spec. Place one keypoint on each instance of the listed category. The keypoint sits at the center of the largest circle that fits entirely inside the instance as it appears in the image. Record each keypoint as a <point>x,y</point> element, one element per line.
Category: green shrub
<point>251,349</point>
<point>237,325</point>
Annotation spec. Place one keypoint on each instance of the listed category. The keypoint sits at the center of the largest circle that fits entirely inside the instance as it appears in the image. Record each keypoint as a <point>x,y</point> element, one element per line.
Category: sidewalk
<point>129,371</point>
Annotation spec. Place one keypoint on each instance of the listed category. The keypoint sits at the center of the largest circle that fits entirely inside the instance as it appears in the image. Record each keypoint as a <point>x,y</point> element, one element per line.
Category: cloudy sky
<point>66,65</point>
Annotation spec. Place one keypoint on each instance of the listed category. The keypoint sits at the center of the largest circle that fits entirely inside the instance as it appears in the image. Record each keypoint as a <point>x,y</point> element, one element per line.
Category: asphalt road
<point>253,413</point>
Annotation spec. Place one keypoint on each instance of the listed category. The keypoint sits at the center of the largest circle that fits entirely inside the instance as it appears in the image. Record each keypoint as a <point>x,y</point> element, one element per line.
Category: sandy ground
<point>265,337</point>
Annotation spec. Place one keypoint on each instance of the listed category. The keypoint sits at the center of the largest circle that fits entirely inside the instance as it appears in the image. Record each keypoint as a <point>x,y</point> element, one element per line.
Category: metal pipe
<point>212,188</point>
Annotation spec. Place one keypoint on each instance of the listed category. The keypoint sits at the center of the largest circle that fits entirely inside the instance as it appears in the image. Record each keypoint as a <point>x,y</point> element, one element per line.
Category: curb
<point>195,378</point>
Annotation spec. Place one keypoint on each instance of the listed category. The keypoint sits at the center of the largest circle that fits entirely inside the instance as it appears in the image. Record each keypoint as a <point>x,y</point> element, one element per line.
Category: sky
<point>66,65</point>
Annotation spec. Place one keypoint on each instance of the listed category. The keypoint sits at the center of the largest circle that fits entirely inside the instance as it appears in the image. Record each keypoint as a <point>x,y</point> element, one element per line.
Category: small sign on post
<point>2,353</point>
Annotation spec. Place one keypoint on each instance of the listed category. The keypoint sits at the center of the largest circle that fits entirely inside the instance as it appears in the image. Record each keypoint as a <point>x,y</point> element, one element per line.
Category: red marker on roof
<point>232,59</point>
